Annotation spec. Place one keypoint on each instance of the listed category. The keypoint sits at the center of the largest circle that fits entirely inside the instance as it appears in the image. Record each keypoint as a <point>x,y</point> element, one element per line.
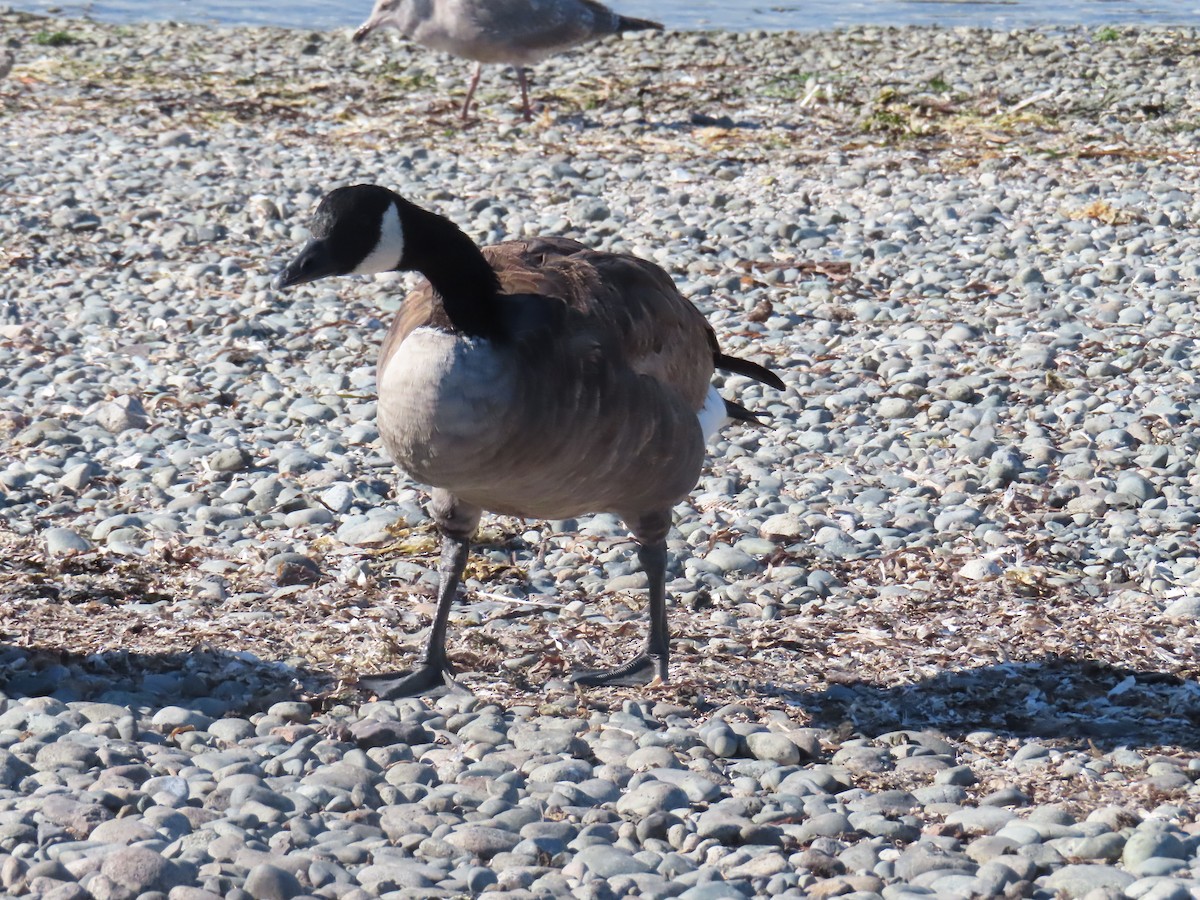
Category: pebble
<point>895,408</point>
<point>651,797</point>
<point>65,542</point>
<point>268,882</point>
<point>1074,881</point>
<point>1144,845</point>
<point>775,748</point>
<point>141,869</point>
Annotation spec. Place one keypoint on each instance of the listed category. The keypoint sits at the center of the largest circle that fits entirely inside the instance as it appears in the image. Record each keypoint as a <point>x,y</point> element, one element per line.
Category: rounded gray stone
<point>230,459</point>
<point>607,861</point>
<point>269,882</point>
<point>141,869</point>
<point>65,542</point>
<point>482,841</point>
<point>1077,880</point>
<point>1144,844</point>
<point>771,747</point>
<point>721,740</point>
<point>651,797</point>
<point>895,408</point>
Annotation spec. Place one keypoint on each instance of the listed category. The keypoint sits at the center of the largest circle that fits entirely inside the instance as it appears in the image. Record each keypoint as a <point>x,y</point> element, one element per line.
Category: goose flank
<point>532,378</point>
<point>512,32</point>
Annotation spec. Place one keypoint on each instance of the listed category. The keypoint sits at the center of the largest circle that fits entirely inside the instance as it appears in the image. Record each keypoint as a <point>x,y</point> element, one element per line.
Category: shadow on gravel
<point>213,682</point>
<point>689,125</point>
<point>1054,698</point>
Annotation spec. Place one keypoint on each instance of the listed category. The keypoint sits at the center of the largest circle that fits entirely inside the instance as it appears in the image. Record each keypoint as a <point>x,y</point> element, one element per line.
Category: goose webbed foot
<point>424,681</point>
<point>650,666</point>
<point>644,669</point>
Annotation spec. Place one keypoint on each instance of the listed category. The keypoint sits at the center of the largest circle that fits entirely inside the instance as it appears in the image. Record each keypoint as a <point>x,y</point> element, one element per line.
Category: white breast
<point>440,395</point>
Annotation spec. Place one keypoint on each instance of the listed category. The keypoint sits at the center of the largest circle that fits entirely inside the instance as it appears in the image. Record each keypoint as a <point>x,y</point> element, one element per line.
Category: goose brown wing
<point>633,305</point>
<point>663,333</point>
<point>630,304</point>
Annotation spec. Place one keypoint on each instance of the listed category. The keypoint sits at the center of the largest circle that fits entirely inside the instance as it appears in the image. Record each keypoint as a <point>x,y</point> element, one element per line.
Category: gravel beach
<point>936,623</point>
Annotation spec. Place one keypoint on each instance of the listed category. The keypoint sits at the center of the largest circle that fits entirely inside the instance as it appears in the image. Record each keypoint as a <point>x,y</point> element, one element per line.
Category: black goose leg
<point>649,666</point>
<point>457,524</point>
<point>435,672</point>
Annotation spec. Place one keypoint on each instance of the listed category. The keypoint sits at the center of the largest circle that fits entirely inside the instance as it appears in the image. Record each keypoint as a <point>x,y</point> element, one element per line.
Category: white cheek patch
<point>712,415</point>
<point>389,249</point>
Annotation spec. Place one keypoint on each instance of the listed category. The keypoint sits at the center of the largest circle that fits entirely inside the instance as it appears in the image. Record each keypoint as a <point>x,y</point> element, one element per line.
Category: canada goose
<point>518,33</point>
<point>532,378</point>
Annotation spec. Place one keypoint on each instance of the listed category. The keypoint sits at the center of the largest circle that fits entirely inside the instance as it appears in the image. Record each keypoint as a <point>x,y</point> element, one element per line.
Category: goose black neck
<point>455,267</point>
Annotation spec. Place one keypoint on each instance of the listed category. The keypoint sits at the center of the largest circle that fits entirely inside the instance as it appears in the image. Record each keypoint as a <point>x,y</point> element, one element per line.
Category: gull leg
<point>474,83</point>
<point>523,81</point>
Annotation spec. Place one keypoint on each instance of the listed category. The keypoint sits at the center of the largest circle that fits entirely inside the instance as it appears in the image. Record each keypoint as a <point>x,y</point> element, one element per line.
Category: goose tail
<point>739,413</point>
<point>749,369</point>
<point>628,23</point>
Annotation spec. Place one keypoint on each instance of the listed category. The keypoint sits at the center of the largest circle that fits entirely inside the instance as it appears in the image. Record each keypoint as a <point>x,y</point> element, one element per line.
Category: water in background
<point>734,15</point>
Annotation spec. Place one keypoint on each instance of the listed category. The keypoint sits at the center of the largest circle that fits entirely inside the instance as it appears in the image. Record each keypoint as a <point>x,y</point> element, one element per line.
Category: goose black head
<point>356,230</point>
